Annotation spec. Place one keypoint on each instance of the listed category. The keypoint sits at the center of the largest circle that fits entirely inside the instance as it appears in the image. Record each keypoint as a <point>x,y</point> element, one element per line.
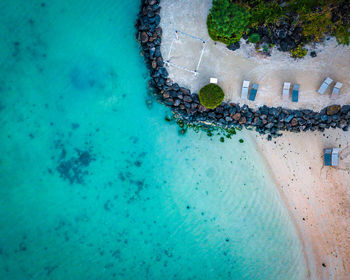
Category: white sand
<point>231,68</point>
<point>320,195</point>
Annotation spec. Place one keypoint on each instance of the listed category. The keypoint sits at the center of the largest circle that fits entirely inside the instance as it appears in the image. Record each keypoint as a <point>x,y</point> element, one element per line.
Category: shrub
<point>316,24</point>
<point>266,48</point>
<point>211,96</point>
<point>342,33</point>
<point>227,21</point>
<point>264,13</point>
<point>254,38</point>
<point>298,52</point>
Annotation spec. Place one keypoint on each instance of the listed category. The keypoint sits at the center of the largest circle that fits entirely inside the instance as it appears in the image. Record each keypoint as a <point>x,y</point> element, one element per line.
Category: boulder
<point>234,46</point>
<point>154,64</point>
<point>187,99</point>
<point>333,109</point>
<point>242,120</point>
<point>236,116</point>
<point>177,102</point>
<point>144,37</point>
<point>269,125</point>
<point>342,124</point>
<point>345,109</point>
<point>294,122</point>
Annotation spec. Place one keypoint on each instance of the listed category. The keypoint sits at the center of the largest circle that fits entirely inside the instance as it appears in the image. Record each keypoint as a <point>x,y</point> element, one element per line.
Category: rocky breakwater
<point>186,105</point>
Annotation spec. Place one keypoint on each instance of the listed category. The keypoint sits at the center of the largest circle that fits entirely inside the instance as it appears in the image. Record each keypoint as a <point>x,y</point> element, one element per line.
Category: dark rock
<point>345,109</point>
<point>163,72</point>
<point>294,122</point>
<point>288,118</point>
<point>187,99</point>
<point>342,124</point>
<point>234,46</point>
<point>212,115</point>
<point>185,91</point>
<point>242,120</point>
<point>144,37</point>
<point>269,125</point>
<point>154,64</point>
<point>313,54</point>
<point>236,116</point>
<point>177,102</point>
<point>333,109</point>
<point>282,34</point>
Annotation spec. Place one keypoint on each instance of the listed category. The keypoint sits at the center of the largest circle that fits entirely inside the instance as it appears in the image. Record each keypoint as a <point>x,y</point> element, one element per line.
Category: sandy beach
<point>317,196</point>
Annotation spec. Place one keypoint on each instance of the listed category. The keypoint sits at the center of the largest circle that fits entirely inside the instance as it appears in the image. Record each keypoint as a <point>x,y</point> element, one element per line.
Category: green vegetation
<point>264,12</point>
<point>316,24</point>
<point>211,96</point>
<point>254,38</point>
<point>298,52</point>
<point>227,22</point>
<point>290,24</point>
<point>342,34</point>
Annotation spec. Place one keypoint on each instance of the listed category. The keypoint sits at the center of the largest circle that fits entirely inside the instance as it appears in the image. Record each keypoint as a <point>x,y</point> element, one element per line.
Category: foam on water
<point>94,185</point>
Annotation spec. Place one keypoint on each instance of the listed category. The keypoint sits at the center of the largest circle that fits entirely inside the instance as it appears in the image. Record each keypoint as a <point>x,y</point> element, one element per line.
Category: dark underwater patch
<point>74,169</point>
<point>83,79</point>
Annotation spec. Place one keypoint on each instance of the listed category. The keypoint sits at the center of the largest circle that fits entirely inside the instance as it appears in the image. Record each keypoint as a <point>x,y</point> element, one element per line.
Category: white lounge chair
<point>335,155</point>
<point>213,80</point>
<point>245,88</point>
<point>325,85</point>
<point>336,90</point>
<point>286,90</point>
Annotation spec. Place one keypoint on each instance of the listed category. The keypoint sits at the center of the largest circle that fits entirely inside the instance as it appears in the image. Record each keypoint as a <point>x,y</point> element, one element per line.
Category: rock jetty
<point>186,105</point>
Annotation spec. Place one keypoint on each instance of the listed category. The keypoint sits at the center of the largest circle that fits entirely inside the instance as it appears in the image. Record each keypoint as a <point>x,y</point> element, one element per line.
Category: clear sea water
<point>96,185</point>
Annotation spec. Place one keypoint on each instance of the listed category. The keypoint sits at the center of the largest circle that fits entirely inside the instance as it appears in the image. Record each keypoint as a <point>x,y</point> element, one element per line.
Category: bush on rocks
<point>254,38</point>
<point>227,22</point>
<point>287,24</point>
<point>211,96</point>
<point>298,52</point>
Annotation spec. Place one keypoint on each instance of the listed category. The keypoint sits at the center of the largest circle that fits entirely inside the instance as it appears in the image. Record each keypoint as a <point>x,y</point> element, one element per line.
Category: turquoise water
<point>96,185</point>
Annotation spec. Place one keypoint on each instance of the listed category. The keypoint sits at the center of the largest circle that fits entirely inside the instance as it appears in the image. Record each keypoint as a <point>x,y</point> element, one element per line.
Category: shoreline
<point>309,257</point>
<point>296,167</point>
<point>318,204</point>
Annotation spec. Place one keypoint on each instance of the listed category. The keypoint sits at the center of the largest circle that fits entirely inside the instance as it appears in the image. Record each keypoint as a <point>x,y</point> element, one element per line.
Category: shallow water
<point>96,185</point>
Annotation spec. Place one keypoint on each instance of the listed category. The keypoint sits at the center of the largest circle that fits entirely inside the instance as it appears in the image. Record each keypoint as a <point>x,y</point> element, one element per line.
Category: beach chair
<point>335,155</point>
<point>295,93</point>
<point>325,85</point>
<point>253,92</point>
<point>285,92</point>
<point>213,80</point>
<point>336,90</point>
<point>327,157</point>
<point>245,88</point>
